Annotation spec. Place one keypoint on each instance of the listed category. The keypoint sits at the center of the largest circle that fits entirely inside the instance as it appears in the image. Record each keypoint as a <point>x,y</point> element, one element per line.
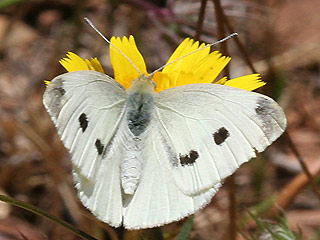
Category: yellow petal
<point>96,65</point>
<point>186,78</point>
<point>181,72</point>
<point>124,71</point>
<point>162,81</point>
<point>248,82</point>
<point>208,69</point>
<point>75,63</point>
<point>89,64</point>
<point>222,81</point>
<point>187,63</point>
<point>174,79</point>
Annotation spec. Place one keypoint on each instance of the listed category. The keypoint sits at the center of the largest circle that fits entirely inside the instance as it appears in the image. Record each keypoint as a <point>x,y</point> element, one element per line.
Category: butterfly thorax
<point>140,105</point>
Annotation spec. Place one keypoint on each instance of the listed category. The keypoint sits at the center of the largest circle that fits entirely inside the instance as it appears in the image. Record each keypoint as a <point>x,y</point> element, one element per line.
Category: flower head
<point>199,67</point>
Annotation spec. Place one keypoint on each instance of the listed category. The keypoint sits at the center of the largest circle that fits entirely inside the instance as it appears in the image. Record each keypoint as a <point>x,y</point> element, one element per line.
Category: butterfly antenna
<point>108,41</point>
<point>197,50</point>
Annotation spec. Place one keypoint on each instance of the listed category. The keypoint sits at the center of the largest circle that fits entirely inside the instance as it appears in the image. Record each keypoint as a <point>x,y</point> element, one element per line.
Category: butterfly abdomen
<point>139,113</point>
<point>131,165</point>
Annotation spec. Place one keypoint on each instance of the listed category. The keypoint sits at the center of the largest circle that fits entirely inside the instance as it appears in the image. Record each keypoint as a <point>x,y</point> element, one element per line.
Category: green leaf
<point>152,234</point>
<point>184,234</point>
<point>277,231</point>
<point>7,3</point>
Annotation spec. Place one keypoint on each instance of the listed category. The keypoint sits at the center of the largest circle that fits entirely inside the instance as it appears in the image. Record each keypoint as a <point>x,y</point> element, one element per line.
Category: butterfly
<point>143,158</point>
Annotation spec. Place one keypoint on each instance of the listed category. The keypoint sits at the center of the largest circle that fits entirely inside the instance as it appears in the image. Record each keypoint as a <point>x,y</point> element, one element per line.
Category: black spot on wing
<point>99,146</point>
<point>58,89</point>
<point>83,120</point>
<point>221,135</point>
<point>271,117</point>
<point>262,108</point>
<point>54,96</point>
<point>188,159</point>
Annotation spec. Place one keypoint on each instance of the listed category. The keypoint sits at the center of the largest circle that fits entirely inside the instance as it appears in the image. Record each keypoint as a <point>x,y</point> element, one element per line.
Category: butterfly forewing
<point>86,107</point>
<point>213,129</point>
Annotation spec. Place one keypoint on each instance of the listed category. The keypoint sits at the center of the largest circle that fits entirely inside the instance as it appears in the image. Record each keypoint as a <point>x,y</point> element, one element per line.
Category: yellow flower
<point>199,67</point>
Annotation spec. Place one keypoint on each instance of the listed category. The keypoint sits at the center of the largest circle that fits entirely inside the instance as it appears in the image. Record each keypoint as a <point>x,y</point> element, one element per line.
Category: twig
<point>238,43</point>
<point>288,192</point>
<point>200,20</point>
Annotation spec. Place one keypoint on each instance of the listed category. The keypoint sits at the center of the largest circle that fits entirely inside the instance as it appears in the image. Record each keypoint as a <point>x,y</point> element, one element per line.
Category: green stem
<point>46,215</point>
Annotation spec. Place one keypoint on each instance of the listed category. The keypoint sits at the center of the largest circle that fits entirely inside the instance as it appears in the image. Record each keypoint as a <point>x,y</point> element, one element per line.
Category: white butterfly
<point>144,159</point>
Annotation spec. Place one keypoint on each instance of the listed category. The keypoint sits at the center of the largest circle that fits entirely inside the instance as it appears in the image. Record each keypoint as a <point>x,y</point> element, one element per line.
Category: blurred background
<point>280,38</point>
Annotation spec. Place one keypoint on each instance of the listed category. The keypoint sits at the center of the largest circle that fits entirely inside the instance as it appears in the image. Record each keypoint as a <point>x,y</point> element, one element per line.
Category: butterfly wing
<point>213,129</point>
<point>157,199</point>
<point>87,108</point>
<point>199,134</point>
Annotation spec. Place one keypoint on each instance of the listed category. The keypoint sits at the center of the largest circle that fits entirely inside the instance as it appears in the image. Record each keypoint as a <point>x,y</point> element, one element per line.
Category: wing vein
<point>193,143</point>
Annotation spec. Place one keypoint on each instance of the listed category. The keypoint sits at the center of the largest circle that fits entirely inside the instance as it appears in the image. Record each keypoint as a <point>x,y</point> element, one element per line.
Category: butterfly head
<point>143,84</point>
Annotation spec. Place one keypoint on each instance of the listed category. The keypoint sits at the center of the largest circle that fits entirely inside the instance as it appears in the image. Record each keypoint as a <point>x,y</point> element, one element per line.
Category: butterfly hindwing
<point>157,199</point>
<point>213,129</point>
<point>102,193</point>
